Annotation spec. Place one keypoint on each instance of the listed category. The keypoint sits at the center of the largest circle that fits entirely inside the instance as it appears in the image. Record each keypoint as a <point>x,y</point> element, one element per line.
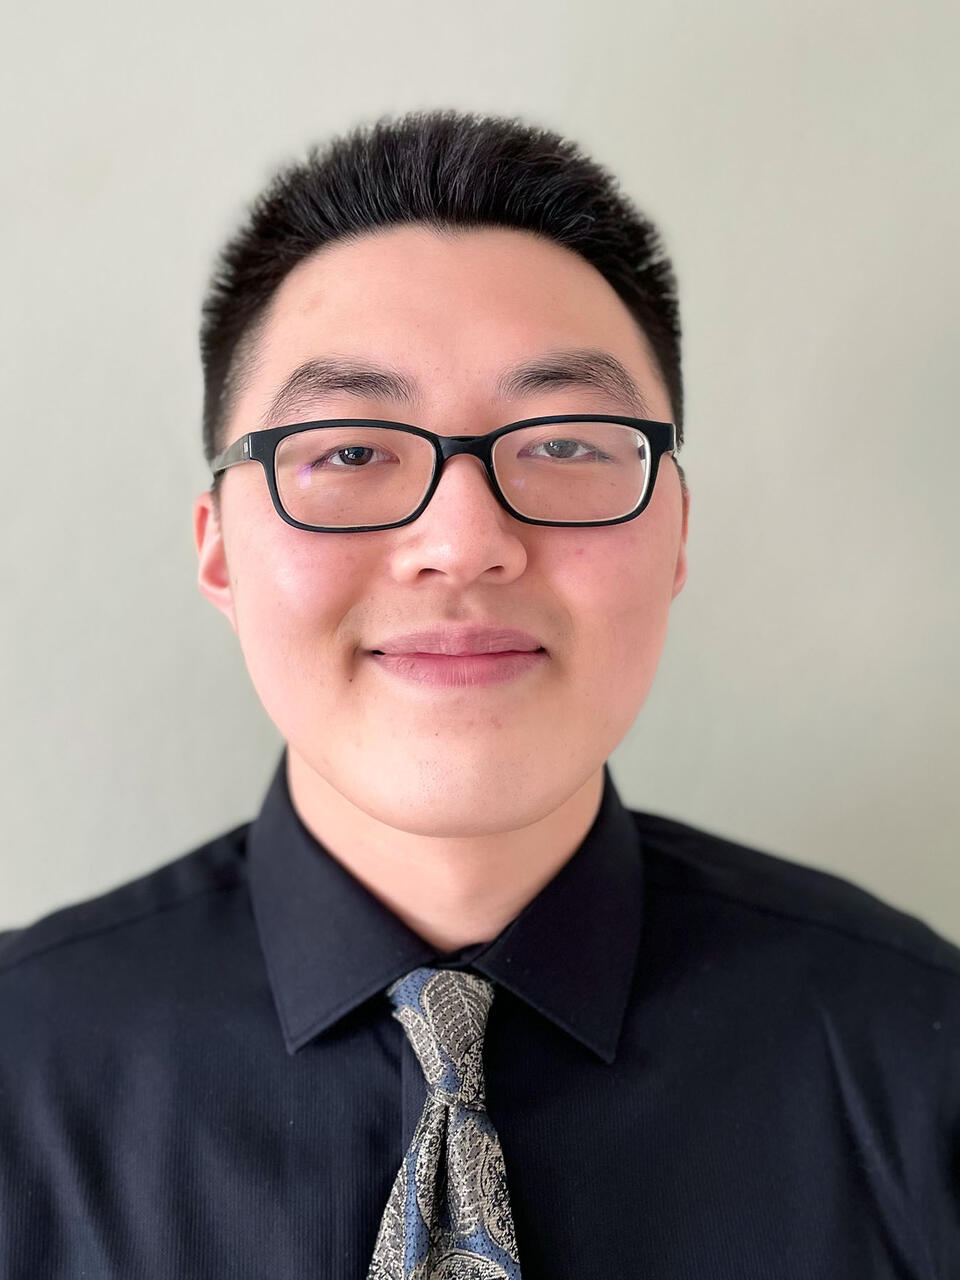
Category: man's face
<point>450,313</point>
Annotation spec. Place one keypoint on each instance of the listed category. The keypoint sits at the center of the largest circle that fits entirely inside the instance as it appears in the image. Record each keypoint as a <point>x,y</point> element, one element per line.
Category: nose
<point>463,532</point>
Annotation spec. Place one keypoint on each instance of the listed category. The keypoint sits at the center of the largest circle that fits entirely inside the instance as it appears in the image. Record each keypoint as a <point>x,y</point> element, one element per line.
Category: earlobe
<point>213,574</point>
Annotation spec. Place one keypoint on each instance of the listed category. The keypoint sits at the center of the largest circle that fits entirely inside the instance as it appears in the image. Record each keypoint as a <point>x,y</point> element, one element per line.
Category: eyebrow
<point>586,367</point>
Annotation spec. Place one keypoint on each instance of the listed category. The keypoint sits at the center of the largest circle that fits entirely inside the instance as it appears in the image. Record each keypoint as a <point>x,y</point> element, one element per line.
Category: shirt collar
<point>330,944</point>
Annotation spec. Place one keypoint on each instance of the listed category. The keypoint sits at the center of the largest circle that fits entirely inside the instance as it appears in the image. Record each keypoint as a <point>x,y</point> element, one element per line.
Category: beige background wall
<point>802,160</point>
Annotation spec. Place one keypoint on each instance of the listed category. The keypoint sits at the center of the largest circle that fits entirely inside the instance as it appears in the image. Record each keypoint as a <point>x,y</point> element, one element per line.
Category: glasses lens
<point>353,476</point>
<point>573,471</point>
<point>342,477</point>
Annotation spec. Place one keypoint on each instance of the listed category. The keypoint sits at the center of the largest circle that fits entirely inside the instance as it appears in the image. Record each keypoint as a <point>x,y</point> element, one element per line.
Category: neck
<point>451,891</point>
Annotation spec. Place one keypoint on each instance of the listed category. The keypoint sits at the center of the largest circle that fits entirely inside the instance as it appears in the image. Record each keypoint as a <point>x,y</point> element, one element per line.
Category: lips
<point>452,672</point>
<point>461,642</point>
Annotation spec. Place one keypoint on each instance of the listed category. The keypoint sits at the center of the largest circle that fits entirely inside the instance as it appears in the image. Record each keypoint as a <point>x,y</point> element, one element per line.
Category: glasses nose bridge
<point>475,446</point>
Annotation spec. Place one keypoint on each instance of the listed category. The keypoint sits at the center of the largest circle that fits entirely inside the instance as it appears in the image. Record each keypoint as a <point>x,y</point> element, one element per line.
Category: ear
<point>213,576</point>
<point>680,572</point>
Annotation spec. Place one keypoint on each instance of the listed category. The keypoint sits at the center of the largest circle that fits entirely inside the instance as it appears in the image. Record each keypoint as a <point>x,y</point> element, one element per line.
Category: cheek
<point>291,596</point>
<point>619,589</point>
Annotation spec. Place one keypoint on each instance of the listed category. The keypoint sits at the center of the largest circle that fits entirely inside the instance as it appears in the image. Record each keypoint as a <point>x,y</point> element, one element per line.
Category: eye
<point>565,443</point>
<point>344,449</point>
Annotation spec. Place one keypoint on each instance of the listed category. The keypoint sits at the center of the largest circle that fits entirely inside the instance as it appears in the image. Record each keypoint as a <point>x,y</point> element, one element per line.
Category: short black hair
<point>444,169</point>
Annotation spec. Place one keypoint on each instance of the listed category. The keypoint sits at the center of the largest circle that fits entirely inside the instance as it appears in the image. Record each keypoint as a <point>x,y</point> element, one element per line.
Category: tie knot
<point>444,1013</point>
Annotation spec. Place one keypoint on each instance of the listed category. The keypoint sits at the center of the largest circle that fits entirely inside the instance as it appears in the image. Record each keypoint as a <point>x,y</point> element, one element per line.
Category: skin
<point>454,807</point>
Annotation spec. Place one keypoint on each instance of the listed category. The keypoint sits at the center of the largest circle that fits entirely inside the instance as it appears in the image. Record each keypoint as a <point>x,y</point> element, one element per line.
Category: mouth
<point>460,671</point>
<point>423,653</point>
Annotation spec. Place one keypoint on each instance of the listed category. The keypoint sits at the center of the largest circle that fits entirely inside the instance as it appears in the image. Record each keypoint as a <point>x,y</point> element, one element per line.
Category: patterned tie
<point>448,1214</point>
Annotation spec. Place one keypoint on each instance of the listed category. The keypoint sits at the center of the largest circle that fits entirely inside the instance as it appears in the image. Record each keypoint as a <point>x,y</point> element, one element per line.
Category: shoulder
<point>821,906</point>
<point>118,983</point>
<point>114,920</point>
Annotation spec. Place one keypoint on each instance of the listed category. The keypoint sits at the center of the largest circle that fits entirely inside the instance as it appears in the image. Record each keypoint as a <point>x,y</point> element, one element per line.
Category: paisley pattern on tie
<point>448,1214</point>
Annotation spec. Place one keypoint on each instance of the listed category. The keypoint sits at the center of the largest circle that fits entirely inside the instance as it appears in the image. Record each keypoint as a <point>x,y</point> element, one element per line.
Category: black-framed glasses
<point>357,475</point>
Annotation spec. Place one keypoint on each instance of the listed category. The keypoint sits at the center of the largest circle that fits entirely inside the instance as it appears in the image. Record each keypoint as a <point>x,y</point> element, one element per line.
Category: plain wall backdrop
<point>801,160</point>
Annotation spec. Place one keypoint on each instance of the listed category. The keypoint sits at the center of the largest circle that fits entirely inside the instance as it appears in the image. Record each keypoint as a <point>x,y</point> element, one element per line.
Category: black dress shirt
<point>702,1061</point>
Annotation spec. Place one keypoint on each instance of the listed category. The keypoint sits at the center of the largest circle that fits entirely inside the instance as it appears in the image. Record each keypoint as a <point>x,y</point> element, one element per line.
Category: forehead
<point>450,312</point>
<point>461,275</point>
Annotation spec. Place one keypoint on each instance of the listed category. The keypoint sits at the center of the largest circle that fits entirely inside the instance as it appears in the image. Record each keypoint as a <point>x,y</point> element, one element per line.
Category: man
<point>446,1008</point>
